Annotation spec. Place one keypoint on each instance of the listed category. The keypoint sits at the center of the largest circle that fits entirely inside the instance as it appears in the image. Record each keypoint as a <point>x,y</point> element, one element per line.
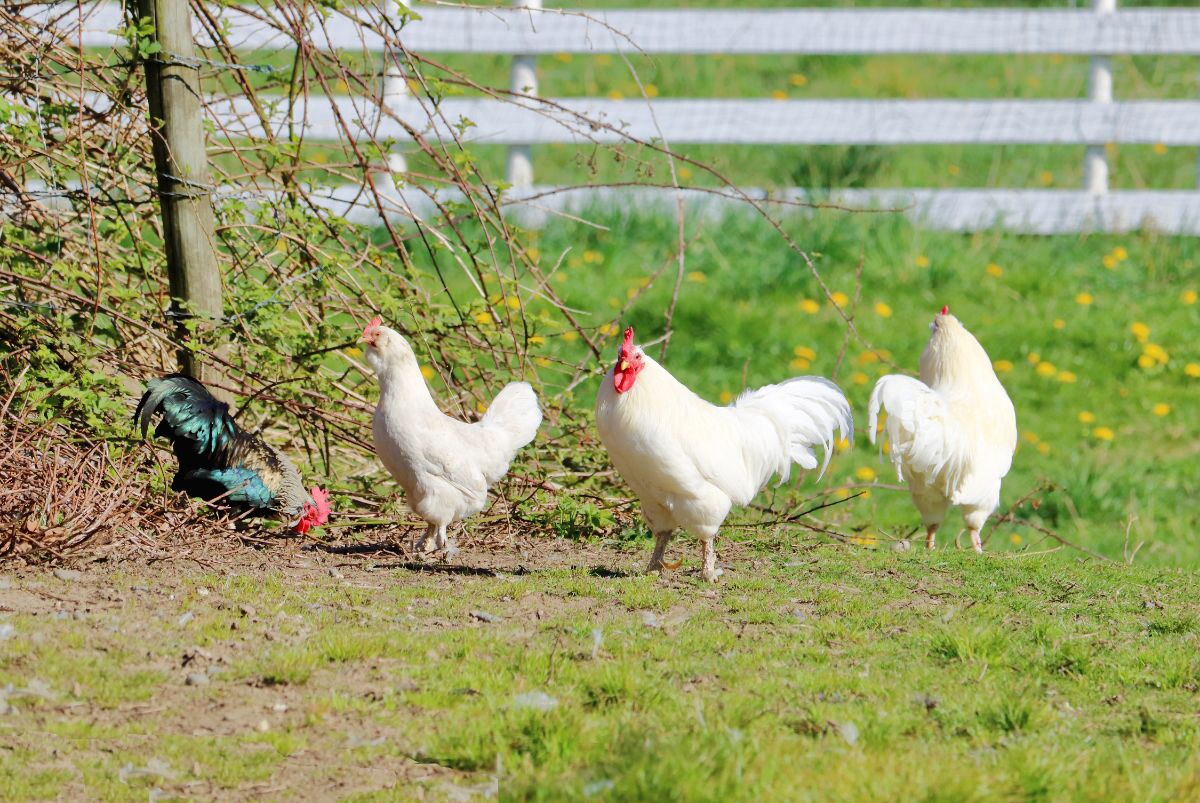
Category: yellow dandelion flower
<point>859,378</point>
<point>1046,369</point>
<point>868,357</point>
<point>800,364</point>
<point>1159,148</point>
<point>1145,361</point>
<point>1086,417</point>
<point>953,170</point>
<point>684,172</point>
<point>480,407</point>
<point>1043,448</point>
<point>614,302</point>
<point>651,90</point>
<point>883,310</point>
<point>1192,370</point>
<point>513,302</point>
<point>778,94</point>
<point>565,58</point>
<point>1161,409</point>
<point>543,362</point>
<point>887,448</point>
<point>842,444</point>
<point>1188,297</point>
<point>560,276</point>
<point>865,474</point>
<point>1034,357</point>
<point>1002,366</point>
<point>840,298</point>
<point>320,158</point>
<point>1084,299</point>
<point>616,94</point>
<point>1103,433</point>
<point>805,352</point>
<point>426,372</point>
<point>841,493</point>
<point>533,253</point>
<point>1015,539</point>
<point>603,59</point>
<point>1067,377</point>
<point>593,257</point>
<point>570,336</point>
<point>482,317</point>
<point>1157,353</point>
<point>922,261</point>
<point>1046,177</point>
<point>995,270</point>
<point>631,292</point>
<point>1059,323</point>
<point>608,329</point>
<point>1110,261</point>
<point>354,351</point>
<point>1030,437</point>
<point>1140,331</point>
<point>1120,253</point>
<point>536,340</point>
<point>726,397</point>
<point>810,306</point>
<point>697,277</point>
<point>798,79</point>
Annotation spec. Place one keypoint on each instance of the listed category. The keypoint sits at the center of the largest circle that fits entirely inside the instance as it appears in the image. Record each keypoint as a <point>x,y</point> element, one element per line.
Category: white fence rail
<point>524,32</point>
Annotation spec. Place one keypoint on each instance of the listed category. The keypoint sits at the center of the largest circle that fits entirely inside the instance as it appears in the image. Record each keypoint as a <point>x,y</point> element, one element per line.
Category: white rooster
<point>952,434</point>
<point>690,461</point>
<point>444,465</point>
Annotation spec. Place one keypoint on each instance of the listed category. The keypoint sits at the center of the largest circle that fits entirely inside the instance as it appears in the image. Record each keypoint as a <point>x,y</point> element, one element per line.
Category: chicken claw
<point>671,566</point>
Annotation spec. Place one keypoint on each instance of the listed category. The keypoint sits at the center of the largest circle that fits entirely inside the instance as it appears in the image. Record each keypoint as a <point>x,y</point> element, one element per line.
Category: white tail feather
<point>806,411</point>
<point>515,411</point>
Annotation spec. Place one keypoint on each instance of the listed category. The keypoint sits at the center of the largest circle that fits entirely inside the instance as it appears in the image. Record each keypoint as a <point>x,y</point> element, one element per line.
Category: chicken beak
<point>622,366</point>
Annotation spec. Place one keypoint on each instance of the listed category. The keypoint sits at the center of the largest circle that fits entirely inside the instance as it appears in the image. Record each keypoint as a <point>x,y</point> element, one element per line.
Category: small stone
<point>334,573</point>
<point>901,546</point>
<point>7,631</point>
<point>68,575</point>
<point>204,592</point>
<point>263,725</point>
<point>484,616</point>
<point>849,732</point>
<point>185,618</point>
<point>649,619</point>
<point>279,708</point>
<point>535,701</point>
<point>5,584</point>
<point>197,679</point>
<point>799,615</point>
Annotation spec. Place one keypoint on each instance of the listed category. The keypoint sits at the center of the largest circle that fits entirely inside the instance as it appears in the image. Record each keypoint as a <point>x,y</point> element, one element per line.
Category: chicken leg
<point>976,544</point>
<point>931,536</point>
<point>422,545</point>
<point>709,553</point>
<point>661,540</point>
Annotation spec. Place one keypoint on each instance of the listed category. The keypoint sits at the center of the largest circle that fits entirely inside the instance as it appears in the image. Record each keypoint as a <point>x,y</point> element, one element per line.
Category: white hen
<point>953,433</point>
<point>444,465</point>
<point>690,461</point>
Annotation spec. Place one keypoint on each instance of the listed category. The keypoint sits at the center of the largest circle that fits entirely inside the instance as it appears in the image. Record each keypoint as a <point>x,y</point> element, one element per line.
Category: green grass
<point>814,673</point>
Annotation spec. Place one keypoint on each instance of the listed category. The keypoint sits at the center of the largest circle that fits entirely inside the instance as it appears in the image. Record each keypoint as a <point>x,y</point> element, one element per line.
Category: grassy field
<point>551,669</point>
<point>815,672</point>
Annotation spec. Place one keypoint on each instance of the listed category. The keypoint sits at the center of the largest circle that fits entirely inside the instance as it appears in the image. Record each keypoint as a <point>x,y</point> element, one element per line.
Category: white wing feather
<point>923,435</point>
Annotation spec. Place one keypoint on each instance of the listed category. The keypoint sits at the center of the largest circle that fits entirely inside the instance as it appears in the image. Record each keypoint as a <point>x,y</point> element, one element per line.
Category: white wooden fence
<point>527,120</point>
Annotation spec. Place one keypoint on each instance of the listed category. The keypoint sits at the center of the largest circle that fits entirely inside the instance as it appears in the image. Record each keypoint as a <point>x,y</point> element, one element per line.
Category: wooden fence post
<point>524,80</point>
<point>1100,90</point>
<point>184,183</point>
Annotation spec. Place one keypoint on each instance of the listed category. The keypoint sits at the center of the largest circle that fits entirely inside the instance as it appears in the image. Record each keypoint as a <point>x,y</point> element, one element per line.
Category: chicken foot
<point>709,553</point>
<point>931,536</point>
<point>660,550</point>
<point>433,540</point>
<point>976,544</point>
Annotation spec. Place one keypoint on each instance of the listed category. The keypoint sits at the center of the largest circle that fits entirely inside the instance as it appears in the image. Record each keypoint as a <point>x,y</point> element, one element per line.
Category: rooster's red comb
<point>321,499</point>
<point>628,341</point>
<point>946,310</point>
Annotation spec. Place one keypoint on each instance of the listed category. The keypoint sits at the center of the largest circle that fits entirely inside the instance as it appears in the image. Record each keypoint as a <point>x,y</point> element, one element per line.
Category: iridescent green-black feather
<point>216,458</point>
